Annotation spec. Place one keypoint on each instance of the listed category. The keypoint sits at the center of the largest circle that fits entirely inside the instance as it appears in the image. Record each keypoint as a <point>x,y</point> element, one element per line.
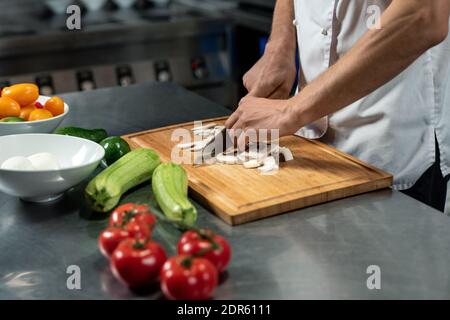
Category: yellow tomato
<point>26,111</point>
<point>55,105</point>
<point>24,93</point>
<point>40,114</point>
<point>9,108</point>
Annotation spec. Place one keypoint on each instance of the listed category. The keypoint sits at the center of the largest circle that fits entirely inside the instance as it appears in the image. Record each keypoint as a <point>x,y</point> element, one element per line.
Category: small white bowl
<point>40,126</point>
<point>77,157</point>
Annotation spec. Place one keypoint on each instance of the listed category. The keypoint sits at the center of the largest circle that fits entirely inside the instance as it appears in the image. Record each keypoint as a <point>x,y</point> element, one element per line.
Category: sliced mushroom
<point>269,165</point>
<point>204,133</point>
<point>200,145</point>
<point>285,154</point>
<point>204,127</point>
<point>219,129</point>
<point>252,164</point>
<point>185,145</point>
<point>231,151</point>
<point>227,159</point>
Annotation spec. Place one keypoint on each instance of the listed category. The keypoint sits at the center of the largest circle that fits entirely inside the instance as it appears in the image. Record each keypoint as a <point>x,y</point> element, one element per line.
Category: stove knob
<point>164,76</point>
<point>162,71</point>
<point>86,80</point>
<point>199,69</point>
<point>124,76</point>
<point>45,84</point>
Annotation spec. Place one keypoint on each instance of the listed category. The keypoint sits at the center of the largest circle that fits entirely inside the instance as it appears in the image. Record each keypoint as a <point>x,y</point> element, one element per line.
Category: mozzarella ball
<point>44,161</point>
<point>18,163</point>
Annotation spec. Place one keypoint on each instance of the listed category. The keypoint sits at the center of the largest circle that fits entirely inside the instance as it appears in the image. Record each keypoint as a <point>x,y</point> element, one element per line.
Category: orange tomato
<point>55,105</point>
<point>24,93</point>
<point>26,111</point>
<point>9,108</point>
<point>40,114</point>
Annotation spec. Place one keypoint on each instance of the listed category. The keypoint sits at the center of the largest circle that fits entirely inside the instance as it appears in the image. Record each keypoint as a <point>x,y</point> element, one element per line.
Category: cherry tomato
<point>186,278</point>
<point>9,108</point>
<point>24,93</point>
<point>137,263</point>
<point>124,213</point>
<point>147,219</point>
<point>40,114</point>
<point>193,243</point>
<point>26,111</point>
<point>110,238</point>
<point>55,105</point>
<point>138,230</point>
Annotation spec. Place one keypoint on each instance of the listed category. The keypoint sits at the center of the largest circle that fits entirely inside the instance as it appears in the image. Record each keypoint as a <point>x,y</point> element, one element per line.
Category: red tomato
<point>137,263</point>
<point>187,278</point>
<point>193,243</point>
<point>124,213</point>
<point>147,219</point>
<point>110,238</point>
<point>138,230</point>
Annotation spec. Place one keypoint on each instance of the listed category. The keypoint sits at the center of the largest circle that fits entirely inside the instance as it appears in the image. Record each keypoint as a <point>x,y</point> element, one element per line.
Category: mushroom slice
<point>230,151</point>
<point>218,129</point>
<point>242,157</point>
<point>226,159</point>
<point>269,166</point>
<point>258,155</point>
<point>204,127</point>
<point>285,154</point>
<point>204,133</point>
<point>252,164</point>
<point>185,145</point>
<point>202,144</point>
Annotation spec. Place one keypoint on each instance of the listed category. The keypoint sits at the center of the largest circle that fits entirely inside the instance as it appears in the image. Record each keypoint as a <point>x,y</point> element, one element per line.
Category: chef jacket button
<point>294,22</point>
<point>325,32</point>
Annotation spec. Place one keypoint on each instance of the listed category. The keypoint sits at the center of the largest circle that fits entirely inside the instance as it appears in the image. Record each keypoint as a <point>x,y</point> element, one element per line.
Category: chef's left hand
<point>260,113</point>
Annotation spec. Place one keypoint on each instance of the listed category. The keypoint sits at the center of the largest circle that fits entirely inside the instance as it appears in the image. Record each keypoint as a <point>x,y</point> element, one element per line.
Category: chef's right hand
<point>273,75</point>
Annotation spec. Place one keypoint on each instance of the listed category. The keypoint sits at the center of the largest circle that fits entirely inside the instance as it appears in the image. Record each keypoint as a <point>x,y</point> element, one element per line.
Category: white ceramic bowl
<point>77,157</point>
<point>41,126</point>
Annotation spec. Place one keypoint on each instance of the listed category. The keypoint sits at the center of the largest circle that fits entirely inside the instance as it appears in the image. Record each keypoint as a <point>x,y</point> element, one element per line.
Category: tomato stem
<point>187,263</point>
<point>139,244</point>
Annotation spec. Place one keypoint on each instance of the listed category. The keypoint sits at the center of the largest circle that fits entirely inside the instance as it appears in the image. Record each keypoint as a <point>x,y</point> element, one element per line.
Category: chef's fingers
<point>242,141</point>
<point>246,136</point>
<point>232,120</point>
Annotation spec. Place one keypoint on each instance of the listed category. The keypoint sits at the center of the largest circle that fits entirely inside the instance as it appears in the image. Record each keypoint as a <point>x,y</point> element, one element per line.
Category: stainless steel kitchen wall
<point>116,47</point>
<point>12,8</point>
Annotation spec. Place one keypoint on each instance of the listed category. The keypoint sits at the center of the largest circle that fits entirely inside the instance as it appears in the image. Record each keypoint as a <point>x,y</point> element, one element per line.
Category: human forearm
<point>283,31</point>
<point>274,74</point>
<point>408,29</point>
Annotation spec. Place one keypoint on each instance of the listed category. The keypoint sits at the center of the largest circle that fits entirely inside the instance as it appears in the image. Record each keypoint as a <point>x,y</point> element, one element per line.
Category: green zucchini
<point>170,187</point>
<point>104,191</point>
<point>96,135</point>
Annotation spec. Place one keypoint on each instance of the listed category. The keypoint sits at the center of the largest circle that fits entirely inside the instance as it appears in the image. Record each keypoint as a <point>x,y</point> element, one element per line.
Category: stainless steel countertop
<point>319,252</point>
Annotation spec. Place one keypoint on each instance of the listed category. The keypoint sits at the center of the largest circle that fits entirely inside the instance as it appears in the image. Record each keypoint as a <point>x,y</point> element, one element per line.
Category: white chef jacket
<point>393,128</point>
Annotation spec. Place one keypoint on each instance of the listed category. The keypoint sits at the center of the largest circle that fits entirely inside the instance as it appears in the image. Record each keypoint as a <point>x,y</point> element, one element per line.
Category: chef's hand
<point>273,75</point>
<point>254,114</point>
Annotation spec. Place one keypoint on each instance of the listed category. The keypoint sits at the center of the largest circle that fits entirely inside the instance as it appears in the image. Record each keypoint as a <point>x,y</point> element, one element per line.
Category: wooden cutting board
<point>318,174</point>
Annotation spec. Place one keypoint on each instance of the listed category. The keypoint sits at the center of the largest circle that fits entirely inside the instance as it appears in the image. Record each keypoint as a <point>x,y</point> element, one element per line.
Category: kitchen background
<point>203,45</point>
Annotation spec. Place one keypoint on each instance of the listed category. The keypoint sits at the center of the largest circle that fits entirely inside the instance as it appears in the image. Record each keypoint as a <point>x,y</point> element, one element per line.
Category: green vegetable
<point>115,148</point>
<point>12,119</point>
<point>96,135</point>
<point>104,191</point>
<point>170,187</point>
